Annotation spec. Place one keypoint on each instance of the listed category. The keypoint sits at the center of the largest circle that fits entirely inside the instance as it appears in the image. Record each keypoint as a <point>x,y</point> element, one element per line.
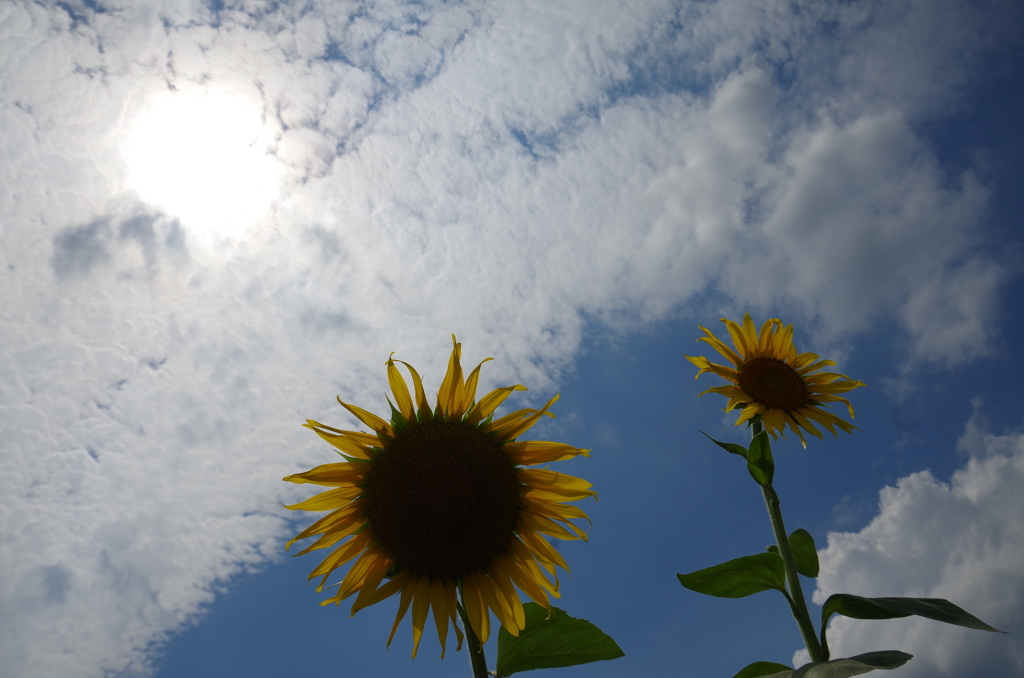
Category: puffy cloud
<point>962,541</point>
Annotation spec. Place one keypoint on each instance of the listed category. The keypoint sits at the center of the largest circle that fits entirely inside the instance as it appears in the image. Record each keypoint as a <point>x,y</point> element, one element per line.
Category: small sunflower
<point>442,501</point>
<point>771,380</point>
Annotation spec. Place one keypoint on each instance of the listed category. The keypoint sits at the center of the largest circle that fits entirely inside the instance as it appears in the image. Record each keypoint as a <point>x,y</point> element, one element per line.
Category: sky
<point>216,217</point>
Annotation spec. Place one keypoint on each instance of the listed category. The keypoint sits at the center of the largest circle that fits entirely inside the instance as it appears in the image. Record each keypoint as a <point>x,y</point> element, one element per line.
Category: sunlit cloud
<point>203,155</point>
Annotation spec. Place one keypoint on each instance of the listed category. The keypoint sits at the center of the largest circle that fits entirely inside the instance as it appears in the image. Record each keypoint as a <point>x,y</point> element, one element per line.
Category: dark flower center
<point>773,383</point>
<point>443,499</point>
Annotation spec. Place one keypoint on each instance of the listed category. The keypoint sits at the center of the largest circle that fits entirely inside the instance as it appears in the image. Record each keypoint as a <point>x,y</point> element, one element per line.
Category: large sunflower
<point>443,501</point>
<point>771,380</point>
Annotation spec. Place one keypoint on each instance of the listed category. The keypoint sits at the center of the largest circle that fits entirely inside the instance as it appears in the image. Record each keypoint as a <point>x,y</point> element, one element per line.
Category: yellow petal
<point>805,424</point>
<point>794,425</point>
<point>551,528</point>
<point>820,417</point>
<point>366,573</point>
<point>805,362</point>
<point>559,494</point>
<point>451,386</point>
<point>364,439</point>
<point>545,479</point>
<point>368,418</point>
<point>330,474</point>
<point>750,333</point>
<point>496,601</point>
<point>724,372</point>
<point>328,522</point>
<point>442,610</point>
<point>774,422</point>
<point>504,588</point>
<point>451,594</point>
<point>556,511</point>
<point>542,550</point>
<point>739,339</point>
<point>524,557</point>
<point>342,440</point>
<point>476,608</point>
<point>421,399</point>
<point>357,575</point>
<point>527,452</point>
<point>764,339</point>
<point>403,605</point>
<point>512,430</point>
<point>420,607</point>
<point>332,537</point>
<point>749,411</point>
<point>721,347</point>
<point>491,401</point>
<point>368,597</point>
<point>400,389</point>
<point>327,501</point>
<point>783,344</point>
<point>358,437</point>
<point>469,391</point>
<point>508,570</point>
<point>340,556</point>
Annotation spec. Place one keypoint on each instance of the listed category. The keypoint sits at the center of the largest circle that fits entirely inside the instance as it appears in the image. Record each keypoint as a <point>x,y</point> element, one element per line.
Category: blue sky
<point>215,218</point>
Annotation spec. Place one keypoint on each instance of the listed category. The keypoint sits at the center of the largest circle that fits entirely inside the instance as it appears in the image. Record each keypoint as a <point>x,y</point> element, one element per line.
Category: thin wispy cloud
<point>519,174</point>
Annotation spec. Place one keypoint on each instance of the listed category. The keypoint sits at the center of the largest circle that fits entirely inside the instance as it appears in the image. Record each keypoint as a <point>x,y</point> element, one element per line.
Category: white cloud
<point>857,221</point>
<point>501,171</point>
<point>962,541</point>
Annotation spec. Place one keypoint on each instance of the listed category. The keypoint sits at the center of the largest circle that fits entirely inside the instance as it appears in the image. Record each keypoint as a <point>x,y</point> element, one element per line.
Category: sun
<point>202,155</point>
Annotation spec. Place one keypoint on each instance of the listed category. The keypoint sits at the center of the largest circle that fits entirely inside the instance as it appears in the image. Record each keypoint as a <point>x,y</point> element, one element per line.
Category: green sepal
<point>398,420</point>
<point>732,448</point>
<point>937,609</point>
<point>758,669</point>
<point>801,543</point>
<point>740,577</point>
<point>552,640</point>
<point>760,463</point>
<point>850,666</point>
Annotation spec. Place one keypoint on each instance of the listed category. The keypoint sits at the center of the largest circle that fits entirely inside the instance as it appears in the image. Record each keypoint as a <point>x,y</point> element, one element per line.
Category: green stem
<point>476,650</point>
<point>797,603</point>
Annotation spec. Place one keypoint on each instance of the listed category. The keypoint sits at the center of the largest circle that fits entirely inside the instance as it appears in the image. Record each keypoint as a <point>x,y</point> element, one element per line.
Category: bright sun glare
<point>202,157</point>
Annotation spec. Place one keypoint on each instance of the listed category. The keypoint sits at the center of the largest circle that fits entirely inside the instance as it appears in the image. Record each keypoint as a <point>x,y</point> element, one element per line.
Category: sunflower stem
<point>798,605</point>
<point>476,650</point>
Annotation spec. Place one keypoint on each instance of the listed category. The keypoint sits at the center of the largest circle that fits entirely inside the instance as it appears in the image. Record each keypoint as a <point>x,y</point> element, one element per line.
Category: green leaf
<point>853,666</point>
<point>806,556</point>
<point>729,447</point>
<point>857,607</point>
<point>938,609</point>
<point>739,578</point>
<point>760,463</point>
<point>758,669</point>
<point>552,642</point>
